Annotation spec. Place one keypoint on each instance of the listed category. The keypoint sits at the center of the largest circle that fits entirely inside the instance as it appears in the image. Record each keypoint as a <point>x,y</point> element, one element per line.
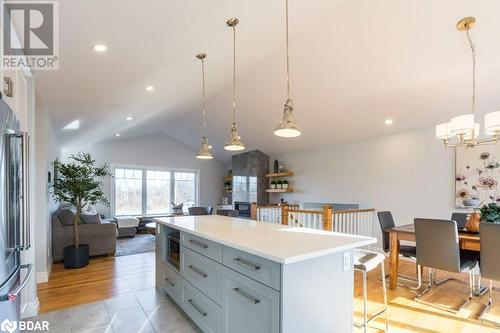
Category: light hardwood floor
<point>108,276</point>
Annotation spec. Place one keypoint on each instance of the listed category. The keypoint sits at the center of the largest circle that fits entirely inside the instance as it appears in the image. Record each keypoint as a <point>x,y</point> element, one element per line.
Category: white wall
<point>409,173</point>
<point>46,151</point>
<point>161,151</point>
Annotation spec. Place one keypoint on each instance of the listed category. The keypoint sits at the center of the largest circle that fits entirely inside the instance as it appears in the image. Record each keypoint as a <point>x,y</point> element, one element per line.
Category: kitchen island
<point>235,275</point>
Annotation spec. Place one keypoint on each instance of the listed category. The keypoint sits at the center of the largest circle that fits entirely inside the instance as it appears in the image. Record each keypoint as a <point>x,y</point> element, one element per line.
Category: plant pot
<point>273,186</point>
<point>278,186</point>
<point>76,257</point>
<point>285,186</point>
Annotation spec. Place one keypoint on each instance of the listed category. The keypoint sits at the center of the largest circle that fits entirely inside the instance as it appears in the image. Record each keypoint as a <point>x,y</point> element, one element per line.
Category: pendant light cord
<point>473,49</point>
<point>234,73</point>
<point>204,104</point>
<point>287,57</point>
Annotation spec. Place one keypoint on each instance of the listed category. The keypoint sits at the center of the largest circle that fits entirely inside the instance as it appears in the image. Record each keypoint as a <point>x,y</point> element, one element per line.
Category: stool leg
<point>365,296</point>
<point>384,287</point>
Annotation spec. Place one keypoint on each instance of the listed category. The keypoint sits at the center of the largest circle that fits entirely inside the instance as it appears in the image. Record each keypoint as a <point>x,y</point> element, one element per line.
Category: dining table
<point>467,240</point>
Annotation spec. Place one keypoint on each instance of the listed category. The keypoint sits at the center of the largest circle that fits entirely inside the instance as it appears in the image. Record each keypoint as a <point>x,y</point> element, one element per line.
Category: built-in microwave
<point>174,249</point>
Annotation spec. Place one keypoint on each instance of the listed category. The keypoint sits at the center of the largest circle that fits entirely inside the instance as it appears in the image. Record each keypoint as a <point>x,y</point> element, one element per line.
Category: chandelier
<point>204,153</point>
<point>464,127</point>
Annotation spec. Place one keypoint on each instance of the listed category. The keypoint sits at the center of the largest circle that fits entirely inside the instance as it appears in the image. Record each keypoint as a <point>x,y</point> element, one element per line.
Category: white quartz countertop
<point>279,243</point>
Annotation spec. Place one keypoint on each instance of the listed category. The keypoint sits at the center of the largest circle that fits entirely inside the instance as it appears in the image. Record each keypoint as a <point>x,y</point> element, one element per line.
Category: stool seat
<point>366,260</point>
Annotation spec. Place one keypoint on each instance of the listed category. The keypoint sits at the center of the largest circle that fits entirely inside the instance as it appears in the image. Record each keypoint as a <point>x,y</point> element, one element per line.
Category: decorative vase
<point>276,166</point>
<point>471,202</point>
<point>76,257</point>
<point>473,221</point>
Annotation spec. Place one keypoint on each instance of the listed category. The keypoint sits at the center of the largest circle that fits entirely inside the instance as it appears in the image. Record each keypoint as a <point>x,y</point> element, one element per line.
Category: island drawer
<point>207,248</point>
<point>202,310</point>
<point>265,271</point>
<point>248,305</point>
<point>172,282</point>
<point>203,273</point>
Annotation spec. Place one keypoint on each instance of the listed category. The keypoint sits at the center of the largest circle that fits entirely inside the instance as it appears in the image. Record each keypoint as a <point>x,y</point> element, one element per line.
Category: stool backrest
<point>386,221</point>
<point>490,248</point>
<point>437,244</point>
<point>227,212</point>
<point>460,218</point>
<point>200,210</point>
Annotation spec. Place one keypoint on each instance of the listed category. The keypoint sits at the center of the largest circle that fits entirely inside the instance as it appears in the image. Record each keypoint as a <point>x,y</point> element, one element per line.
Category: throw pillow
<point>91,219</point>
<point>66,216</point>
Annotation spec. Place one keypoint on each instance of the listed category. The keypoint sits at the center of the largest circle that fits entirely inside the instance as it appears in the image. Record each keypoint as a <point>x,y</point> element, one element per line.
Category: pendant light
<point>287,127</point>
<point>204,153</point>
<point>234,143</point>
<point>465,126</point>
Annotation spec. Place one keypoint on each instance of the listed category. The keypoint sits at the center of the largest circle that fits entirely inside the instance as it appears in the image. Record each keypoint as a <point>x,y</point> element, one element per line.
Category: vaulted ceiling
<point>354,63</point>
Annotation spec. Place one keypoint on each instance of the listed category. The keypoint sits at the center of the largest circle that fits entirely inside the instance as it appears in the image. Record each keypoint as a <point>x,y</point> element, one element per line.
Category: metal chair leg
<point>365,297</point>
<point>384,288</point>
<point>488,307</point>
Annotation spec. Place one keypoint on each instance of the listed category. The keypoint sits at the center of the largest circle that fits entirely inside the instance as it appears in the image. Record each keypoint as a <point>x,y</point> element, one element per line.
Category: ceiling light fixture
<point>465,126</point>
<point>129,118</point>
<point>149,88</point>
<point>287,127</point>
<point>74,125</point>
<point>204,153</point>
<point>100,48</point>
<point>234,143</point>
<point>117,134</point>
<point>389,121</point>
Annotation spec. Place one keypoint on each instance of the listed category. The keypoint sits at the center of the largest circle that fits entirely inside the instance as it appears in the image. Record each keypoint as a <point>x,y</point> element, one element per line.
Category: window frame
<point>145,169</point>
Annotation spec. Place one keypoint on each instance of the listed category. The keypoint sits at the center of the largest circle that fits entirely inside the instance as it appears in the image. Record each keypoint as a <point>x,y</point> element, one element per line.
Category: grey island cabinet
<point>233,275</point>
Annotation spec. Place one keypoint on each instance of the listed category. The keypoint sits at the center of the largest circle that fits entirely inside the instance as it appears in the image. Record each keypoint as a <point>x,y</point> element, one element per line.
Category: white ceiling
<point>353,64</point>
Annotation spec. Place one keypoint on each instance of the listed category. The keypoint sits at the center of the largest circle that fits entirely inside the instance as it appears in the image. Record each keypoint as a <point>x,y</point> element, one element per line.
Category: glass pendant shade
<point>234,143</point>
<point>492,123</point>
<point>468,135</point>
<point>462,124</point>
<point>443,131</point>
<point>287,127</point>
<point>204,153</point>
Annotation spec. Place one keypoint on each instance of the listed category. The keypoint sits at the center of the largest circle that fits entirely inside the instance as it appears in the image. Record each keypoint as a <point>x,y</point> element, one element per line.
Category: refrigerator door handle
<point>26,237</point>
<point>12,296</point>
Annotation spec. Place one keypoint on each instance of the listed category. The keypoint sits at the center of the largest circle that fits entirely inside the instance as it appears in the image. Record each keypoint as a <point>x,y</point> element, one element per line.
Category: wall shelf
<point>279,174</point>
<point>228,178</point>
<point>279,190</point>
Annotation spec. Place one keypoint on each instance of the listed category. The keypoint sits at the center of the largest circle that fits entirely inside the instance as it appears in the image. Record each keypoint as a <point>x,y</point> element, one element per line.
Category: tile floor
<point>142,311</point>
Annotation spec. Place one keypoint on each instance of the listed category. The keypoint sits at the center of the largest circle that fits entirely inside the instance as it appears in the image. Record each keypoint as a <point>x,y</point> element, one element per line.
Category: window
<point>146,191</point>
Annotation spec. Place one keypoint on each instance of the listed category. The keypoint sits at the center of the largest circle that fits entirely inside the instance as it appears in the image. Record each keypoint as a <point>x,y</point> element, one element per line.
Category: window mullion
<point>144,192</point>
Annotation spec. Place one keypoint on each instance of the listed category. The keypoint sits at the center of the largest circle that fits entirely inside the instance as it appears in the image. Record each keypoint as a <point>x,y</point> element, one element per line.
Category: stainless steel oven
<point>174,249</point>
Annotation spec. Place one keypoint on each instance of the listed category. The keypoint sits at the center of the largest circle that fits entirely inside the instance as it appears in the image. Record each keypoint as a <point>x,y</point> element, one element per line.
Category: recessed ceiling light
<point>388,121</point>
<point>129,118</point>
<point>100,47</point>
<point>150,88</point>
<point>117,134</point>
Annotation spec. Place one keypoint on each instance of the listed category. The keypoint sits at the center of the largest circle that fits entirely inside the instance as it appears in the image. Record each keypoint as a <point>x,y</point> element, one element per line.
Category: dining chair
<point>200,210</point>
<point>460,218</point>
<point>386,222</point>
<point>364,262</point>
<point>490,269</point>
<point>227,212</point>
<point>438,248</point>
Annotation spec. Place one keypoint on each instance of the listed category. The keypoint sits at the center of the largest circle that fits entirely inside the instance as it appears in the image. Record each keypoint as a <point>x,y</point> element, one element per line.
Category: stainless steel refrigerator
<point>14,213</point>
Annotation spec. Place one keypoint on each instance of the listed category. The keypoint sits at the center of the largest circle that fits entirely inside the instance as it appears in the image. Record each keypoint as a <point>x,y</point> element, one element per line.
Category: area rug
<point>141,243</point>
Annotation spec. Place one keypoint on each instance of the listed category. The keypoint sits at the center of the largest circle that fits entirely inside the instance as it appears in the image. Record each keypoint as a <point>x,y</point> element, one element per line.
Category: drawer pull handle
<point>197,270</point>
<point>170,282</point>
<point>197,243</point>
<point>197,308</point>
<point>246,263</point>
<point>247,296</point>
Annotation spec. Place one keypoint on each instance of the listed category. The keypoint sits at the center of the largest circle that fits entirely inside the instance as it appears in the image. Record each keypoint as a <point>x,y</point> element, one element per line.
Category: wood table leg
<point>393,259</point>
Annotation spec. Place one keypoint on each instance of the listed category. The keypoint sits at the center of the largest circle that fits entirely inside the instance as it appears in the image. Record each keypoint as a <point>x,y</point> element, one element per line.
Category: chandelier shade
<point>205,153</point>
<point>443,131</point>
<point>492,123</point>
<point>462,124</point>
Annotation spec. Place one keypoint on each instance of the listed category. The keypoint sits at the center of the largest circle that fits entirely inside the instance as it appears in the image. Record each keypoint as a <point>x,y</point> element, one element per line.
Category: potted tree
<point>79,183</point>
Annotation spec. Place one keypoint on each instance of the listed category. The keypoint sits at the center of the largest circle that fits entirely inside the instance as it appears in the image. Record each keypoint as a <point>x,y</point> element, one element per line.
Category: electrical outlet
<point>347,261</point>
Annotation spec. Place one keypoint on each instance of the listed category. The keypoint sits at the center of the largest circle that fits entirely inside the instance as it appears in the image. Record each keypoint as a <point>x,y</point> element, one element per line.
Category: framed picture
<point>477,174</point>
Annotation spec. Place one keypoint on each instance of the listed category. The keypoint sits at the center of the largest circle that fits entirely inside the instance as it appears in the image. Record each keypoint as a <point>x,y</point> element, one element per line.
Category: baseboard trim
<point>30,309</point>
<point>44,276</point>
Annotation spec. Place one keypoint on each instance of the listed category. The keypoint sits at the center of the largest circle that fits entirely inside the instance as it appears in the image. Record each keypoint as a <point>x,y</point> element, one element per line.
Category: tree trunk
<point>75,224</point>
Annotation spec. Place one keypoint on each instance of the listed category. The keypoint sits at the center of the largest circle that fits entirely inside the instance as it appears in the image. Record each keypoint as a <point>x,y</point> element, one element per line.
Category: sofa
<point>99,235</point>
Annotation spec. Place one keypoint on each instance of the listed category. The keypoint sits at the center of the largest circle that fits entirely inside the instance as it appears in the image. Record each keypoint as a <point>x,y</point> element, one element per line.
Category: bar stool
<point>437,248</point>
<point>490,269</point>
<point>364,262</point>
